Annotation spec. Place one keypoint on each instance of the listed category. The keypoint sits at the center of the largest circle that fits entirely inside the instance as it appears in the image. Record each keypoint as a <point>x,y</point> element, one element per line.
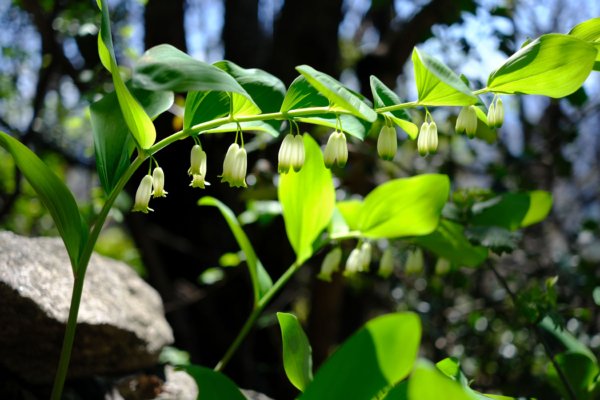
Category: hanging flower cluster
<point>428,138</point>
<point>387,143</point>
<point>495,115</point>
<point>291,152</point>
<point>467,120</point>
<point>144,191</point>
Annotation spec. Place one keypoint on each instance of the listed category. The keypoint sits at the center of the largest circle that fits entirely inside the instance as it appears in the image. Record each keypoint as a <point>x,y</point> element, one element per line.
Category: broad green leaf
<point>212,385</point>
<point>553,65</point>
<point>385,97</point>
<point>340,98</point>
<point>567,339</point>
<point>302,94</point>
<point>428,383</point>
<point>437,85</point>
<point>580,372</point>
<point>307,199</point>
<point>140,125</point>
<point>398,392</point>
<point>588,30</point>
<point>103,53</point>
<point>297,354</point>
<point>449,366</point>
<point>201,107</point>
<point>498,239</point>
<point>350,209</point>
<point>404,207</point>
<point>354,126</point>
<point>261,281</point>
<point>164,67</point>
<point>111,133</point>
<point>54,194</point>
<point>338,224</point>
<point>513,210</point>
<point>376,357</point>
<point>448,242</point>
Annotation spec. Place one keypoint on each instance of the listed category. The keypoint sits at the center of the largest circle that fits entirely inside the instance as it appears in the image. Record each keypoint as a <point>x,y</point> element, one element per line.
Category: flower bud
<point>330,153</point>
<point>471,122</point>
<point>461,121</point>
<point>285,154</point>
<point>331,263</point>
<point>142,196</point>
<point>491,117</point>
<point>158,181</point>
<point>442,266</point>
<point>238,173</point>
<point>196,160</point>
<point>414,261</point>
<point>229,162</point>
<point>432,138</point>
<point>298,153</point>
<point>365,256</point>
<point>499,117</point>
<point>387,143</point>
<point>342,150</point>
<point>353,262</point>
<point>386,265</point>
<point>422,142</point>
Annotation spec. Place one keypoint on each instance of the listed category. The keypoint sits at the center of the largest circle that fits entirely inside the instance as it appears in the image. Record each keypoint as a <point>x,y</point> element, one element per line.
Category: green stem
<point>481,91</point>
<point>257,310</point>
<point>65,354</point>
<point>397,107</point>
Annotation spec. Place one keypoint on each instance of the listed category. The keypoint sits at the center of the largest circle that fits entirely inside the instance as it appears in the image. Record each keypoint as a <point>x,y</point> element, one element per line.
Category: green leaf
<point>301,94</point>
<point>385,97</point>
<point>212,385</point>
<point>399,392</point>
<point>553,65</point>
<point>513,210</point>
<point>567,339</point>
<point>340,98</point>
<point>404,207</point>
<point>261,281</point>
<point>428,383</point>
<point>378,356</point>
<point>164,67</point>
<point>140,125</point>
<point>498,239</point>
<point>297,354</point>
<point>449,366</point>
<point>580,372</point>
<point>338,224</point>
<point>350,209</point>
<point>307,199</point>
<point>437,85</point>
<point>54,194</point>
<point>588,30</point>
<point>111,134</point>
<point>201,107</point>
<point>448,242</point>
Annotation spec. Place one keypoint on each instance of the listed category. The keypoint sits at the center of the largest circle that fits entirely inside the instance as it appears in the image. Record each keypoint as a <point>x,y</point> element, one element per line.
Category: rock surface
<point>121,325</point>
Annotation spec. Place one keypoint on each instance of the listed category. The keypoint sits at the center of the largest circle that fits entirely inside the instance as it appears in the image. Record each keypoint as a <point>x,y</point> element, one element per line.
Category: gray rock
<point>121,325</point>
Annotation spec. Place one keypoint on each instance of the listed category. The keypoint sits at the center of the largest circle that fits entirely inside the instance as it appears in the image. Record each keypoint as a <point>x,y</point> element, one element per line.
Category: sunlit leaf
<point>350,209</point>
<point>580,372</point>
<point>302,94</point>
<point>111,133</point>
<point>567,339</point>
<point>448,242</point>
<point>307,199</point>
<point>54,194</point>
<point>261,281</point>
<point>340,98</point>
<point>588,30</point>
<point>428,383</point>
<point>385,97</point>
<point>553,65</point>
<point>437,85</point>
<point>513,210</point>
<point>376,357</point>
<point>297,354</point>
<point>404,207</point>
<point>212,385</point>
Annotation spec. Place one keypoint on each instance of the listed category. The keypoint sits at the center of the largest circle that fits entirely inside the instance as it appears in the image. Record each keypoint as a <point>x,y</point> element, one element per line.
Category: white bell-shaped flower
<point>196,158</point>
<point>414,261</point>
<point>387,143</point>
<point>342,150</point>
<point>386,264</point>
<point>423,140</point>
<point>198,181</point>
<point>471,125</point>
<point>238,172</point>
<point>142,196</point>
<point>331,264</point>
<point>298,153</point>
<point>229,162</point>
<point>442,266</point>
<point>365,256</point>
<point>353,262</point>
<point>491,117</point>
<point>461,121</point>
<point>336,149</point>
<point>158,181</point>
<point>285,154</point>
<point>432,138</point>
<point>499,117</point>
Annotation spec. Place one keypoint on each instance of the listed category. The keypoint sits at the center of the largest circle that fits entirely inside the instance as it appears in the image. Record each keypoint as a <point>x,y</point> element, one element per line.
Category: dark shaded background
<point>51,73</point>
